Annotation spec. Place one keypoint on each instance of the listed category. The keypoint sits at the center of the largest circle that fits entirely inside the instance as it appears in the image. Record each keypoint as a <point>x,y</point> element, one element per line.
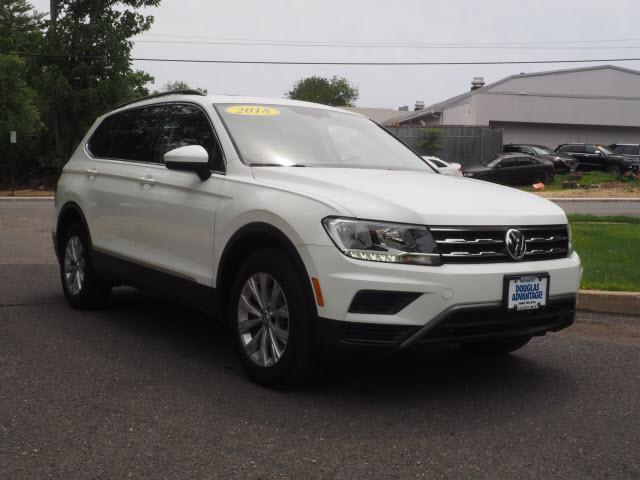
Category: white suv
<point>309,230</point>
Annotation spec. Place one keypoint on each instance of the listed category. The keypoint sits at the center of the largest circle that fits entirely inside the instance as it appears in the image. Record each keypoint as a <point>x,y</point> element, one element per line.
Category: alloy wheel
<point>263,319</point>
<point>74,265</point>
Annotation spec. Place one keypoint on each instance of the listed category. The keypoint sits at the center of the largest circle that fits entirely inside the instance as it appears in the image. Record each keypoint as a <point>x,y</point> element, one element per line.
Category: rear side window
<point>100,142</point>
<point>627,149</point>
<point>134,135</point>
<point>188,125</point>
<point>510,149</point>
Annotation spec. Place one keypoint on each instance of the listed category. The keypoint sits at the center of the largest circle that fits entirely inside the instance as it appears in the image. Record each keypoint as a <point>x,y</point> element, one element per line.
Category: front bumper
<point>458,324</point>
<point>440,288</point>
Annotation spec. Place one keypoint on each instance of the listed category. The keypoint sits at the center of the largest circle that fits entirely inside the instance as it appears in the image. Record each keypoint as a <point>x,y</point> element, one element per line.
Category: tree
<point>335,91</point>
<point>178,85</point>
<point>21,29</point>
<point>430,142</point>
<point>19,113</point>
<point>88,68</point>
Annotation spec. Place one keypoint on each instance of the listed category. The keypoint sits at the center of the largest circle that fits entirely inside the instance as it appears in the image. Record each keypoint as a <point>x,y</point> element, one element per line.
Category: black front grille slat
<point>487,244</point>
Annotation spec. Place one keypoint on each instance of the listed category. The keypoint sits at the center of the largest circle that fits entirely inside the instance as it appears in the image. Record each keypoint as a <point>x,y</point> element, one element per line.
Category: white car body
<point>447,168</point>
<point>175,224</point>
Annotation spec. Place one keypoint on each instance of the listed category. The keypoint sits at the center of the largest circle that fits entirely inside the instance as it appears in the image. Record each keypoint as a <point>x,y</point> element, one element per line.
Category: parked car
<point>631,150</point>
<point>512,169</point>
<point>596,157</point>
<point>306,229</point>
<point>447,168</point>
<point>560,162</point>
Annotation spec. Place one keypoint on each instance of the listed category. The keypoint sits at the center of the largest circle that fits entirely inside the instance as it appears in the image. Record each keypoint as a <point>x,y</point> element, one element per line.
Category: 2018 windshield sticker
<point>253,110</point>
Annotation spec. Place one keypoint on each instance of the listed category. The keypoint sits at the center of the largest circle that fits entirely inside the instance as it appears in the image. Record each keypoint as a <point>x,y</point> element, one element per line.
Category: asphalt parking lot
<point>148,389</point>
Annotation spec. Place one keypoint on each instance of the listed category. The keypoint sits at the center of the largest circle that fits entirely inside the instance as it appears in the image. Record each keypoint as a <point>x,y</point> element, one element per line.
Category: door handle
<point>92,172</point>
<point>147,181</point>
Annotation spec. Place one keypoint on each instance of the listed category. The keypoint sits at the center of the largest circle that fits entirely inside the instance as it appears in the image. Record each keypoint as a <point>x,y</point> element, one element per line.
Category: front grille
<point>487,244</point>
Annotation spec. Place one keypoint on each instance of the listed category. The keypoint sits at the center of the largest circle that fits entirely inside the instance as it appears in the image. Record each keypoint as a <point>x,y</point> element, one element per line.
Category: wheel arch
<point>249,238</point>
<point>70,213</point>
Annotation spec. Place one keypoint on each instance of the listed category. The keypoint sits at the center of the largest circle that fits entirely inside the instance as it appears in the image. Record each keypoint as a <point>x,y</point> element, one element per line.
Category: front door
<point>174,226</point>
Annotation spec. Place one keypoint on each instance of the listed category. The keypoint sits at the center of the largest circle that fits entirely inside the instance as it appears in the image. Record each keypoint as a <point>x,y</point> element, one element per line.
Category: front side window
<point>185,125</point>
<point>542,150</point>
<point>287,135</point>
<point>604,150</point>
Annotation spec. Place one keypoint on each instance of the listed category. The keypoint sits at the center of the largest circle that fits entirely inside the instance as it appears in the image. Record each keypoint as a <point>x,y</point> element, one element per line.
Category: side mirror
<point>192,158</point>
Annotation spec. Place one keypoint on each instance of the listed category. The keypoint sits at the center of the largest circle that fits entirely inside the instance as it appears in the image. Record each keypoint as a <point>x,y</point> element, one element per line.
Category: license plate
<point>526,292</point>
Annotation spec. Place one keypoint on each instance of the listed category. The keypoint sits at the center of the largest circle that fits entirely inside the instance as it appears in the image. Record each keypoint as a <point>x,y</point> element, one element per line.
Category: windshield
<point>543,151</point>
<point>606,151</point>
<point>287,135</point>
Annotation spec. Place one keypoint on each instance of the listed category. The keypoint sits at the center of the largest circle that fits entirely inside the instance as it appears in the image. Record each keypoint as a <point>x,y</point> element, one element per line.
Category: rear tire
<point>271,316</point>
<point>81,284</point>
<point>501,346</point>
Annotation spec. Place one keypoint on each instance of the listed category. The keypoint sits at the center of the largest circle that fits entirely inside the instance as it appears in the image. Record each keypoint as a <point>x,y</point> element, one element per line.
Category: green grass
<point>578,217</point>
<point>610,252</point>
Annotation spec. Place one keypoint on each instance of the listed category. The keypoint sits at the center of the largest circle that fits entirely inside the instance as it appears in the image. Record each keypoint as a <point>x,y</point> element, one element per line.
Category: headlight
<point>383,242</point>
<point>570,246</point>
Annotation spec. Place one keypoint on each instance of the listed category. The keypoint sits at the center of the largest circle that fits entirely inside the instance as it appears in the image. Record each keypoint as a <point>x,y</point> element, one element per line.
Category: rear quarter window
<point>100,142</point>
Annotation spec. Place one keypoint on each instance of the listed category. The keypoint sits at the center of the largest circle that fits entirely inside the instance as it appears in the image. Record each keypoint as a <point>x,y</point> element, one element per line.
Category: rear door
<point>174,226</point>
<point>112,177</point>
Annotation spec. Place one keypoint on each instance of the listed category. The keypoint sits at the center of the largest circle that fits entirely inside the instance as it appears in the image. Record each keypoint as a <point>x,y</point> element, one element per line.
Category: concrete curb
<point>25,199</point>
<point>612,200</point>
<point>609,302</point>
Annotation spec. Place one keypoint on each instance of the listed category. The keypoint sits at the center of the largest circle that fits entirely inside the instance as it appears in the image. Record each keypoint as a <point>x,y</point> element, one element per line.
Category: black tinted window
<point>525,161</point>
<point>100,141</point>
<point>590,149</point>
<point>573,148</point>
<point>188,125</point>
<point>509,162</point>
<point>627,149</point>
<point>510,148</point>
<point>134,134</point>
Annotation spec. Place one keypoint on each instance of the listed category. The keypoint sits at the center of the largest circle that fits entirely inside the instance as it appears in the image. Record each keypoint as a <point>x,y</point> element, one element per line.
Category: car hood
<point>560,156</point>
<point>477,169</point>
<point>413,197</point>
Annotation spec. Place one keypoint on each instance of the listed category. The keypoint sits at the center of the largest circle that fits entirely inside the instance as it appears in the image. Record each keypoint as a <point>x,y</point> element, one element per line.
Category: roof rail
<point>186,91</point>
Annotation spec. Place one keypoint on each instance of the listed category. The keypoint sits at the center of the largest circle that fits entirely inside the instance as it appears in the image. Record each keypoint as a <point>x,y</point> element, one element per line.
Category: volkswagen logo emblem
<point>516,244</point>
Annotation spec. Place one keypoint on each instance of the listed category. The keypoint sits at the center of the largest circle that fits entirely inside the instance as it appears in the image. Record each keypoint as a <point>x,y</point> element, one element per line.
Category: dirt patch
<point>27,192</point>
<point>611,190</point>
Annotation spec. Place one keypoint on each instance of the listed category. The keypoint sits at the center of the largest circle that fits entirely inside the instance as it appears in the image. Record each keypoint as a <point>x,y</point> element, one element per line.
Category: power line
<point>379,44</point>
<point>444,47</point>
<point>280,62</point>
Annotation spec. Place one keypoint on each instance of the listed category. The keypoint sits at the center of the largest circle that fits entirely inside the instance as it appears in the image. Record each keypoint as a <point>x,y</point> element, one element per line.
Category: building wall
<point>489,108</point>
<point>553,135</point>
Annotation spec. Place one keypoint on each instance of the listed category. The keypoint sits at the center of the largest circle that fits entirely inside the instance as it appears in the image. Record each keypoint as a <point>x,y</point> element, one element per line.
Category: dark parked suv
<point>596,157</point>
<point>631,150</point>
<point>561,162</point>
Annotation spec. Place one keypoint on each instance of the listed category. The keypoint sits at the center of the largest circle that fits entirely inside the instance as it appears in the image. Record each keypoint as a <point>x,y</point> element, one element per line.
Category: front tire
<point>500,346</point>
<point>271,316</point>
<point>82,286</point>
<point>615,170</point>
